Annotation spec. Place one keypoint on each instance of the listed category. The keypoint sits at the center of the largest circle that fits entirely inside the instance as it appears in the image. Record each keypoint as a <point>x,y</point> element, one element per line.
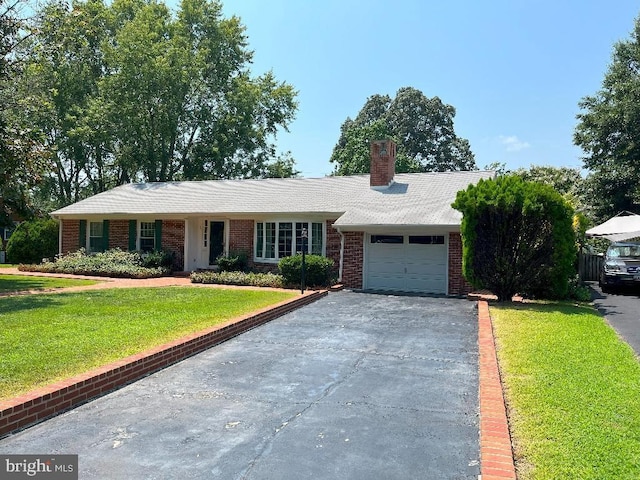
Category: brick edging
<point>496,454</point>
<point>43,403</point>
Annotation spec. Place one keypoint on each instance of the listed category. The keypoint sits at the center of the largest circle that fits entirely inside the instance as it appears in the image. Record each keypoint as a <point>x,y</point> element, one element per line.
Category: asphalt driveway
<point>622,309</point>
<point>354,386</point>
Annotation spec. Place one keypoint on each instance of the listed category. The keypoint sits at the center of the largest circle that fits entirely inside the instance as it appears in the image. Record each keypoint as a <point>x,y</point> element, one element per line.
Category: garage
<point>406,263</point>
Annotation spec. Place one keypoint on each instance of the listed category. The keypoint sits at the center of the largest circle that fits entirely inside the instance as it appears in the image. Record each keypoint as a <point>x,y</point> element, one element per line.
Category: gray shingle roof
<point>414,199</point>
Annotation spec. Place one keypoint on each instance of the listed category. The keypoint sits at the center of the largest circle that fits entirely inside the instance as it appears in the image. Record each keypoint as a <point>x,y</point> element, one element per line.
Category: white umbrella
<point>623,226</point>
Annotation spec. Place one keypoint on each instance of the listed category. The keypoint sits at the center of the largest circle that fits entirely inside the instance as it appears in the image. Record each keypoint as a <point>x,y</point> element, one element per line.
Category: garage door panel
<point>408,267</point>
<point>387,282</point>
<point>386,268</point>
<point>431,284</point>
<point>419,269</point>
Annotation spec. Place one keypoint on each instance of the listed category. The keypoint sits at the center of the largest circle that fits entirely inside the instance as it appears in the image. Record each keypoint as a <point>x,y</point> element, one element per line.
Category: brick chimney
<point>383,164</point>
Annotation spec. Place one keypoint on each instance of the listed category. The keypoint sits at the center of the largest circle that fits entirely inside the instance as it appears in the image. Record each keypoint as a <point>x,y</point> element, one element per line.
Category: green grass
<point>44,338</point>
<point>19,283</point>
<point>7,265</point>
<point>573,390</point>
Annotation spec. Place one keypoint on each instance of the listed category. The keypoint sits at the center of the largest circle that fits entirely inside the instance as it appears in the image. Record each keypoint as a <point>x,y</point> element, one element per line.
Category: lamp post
<point>305,236</point>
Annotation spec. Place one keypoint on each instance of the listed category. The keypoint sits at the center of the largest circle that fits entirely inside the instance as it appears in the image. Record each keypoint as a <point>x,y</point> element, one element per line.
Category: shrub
<point>235,262</point>
<point>32,241</point>
<point>318,270</point>
<point>238,278</point>
<point>112,263</point>
<point>158,259</point>
<point>517,238</point>
<point>578,290</point>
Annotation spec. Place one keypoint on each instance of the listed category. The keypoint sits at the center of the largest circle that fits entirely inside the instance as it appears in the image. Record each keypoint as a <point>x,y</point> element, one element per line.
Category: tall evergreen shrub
<point>33,240</point>
<point>517,238</point>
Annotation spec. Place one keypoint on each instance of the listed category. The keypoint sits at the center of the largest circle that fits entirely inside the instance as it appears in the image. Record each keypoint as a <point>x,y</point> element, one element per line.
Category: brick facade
<point>119,234</point>
<point>353,259</point>
<point>241,237</point>
<point>70,236</point>
<point>173,241</point>
<point>332,249</point>
<point>457,283</point>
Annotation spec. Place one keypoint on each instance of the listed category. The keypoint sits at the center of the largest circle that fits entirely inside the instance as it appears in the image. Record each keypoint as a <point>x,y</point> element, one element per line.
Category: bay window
<point>276,240</point>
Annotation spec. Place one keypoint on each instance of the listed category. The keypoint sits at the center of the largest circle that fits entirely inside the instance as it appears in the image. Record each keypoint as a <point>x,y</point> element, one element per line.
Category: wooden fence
<point>589,266</point>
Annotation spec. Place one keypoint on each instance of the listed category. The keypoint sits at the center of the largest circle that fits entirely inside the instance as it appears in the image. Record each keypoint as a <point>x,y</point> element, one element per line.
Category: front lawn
<point>573,390</point>
<point>44,338</point>
<point>19,283</point>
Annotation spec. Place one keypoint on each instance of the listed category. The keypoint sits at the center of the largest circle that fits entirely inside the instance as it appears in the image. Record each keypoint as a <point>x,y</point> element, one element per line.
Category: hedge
<point>112,263</point>
<point>238,278</point>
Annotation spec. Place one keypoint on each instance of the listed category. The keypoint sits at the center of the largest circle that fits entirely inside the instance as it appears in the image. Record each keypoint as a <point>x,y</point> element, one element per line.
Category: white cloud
<point>513,143</point>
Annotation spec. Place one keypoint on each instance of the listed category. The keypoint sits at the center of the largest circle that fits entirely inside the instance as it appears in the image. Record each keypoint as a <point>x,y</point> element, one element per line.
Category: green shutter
<point>158,234</point>
<point>82,237</point>
<point>133,233</point>
<point>105,235</point>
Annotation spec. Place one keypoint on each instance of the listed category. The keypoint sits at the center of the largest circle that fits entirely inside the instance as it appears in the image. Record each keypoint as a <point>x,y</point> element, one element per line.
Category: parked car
<point>621,265</point>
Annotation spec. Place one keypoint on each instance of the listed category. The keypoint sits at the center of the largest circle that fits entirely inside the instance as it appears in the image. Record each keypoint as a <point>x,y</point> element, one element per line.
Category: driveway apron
<point>354,386</point>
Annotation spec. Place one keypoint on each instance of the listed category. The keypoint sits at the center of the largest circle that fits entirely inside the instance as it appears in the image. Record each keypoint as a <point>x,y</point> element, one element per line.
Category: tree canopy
<point>608,131</point>
<point>131,91</point>
<point>422,127</point>
<point>20,164</point>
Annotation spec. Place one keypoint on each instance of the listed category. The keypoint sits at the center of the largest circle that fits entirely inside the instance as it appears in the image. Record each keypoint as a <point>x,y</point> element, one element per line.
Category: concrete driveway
<point>622,310</point>
<point>354,386</point>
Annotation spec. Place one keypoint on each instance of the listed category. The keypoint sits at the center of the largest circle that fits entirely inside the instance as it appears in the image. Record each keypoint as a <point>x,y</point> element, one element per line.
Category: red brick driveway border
<point>46,402</point>
<point>496,454</point>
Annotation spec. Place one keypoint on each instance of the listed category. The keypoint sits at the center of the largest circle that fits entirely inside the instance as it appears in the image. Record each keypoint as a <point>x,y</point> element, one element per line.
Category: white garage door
<point>406,263</point>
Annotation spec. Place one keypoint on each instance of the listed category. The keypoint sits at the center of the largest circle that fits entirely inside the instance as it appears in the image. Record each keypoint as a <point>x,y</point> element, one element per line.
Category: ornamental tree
<point>517,238</point>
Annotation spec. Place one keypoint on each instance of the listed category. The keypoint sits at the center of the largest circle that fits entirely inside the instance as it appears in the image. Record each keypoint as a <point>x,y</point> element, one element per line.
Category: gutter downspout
<point>340,267</point>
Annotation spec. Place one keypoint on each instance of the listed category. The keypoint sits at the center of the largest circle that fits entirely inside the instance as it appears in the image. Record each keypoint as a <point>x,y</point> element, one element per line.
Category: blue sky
<point>514,70</point>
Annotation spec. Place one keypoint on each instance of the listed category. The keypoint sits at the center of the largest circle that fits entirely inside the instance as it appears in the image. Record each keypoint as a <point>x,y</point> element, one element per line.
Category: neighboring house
<point>384,231</point>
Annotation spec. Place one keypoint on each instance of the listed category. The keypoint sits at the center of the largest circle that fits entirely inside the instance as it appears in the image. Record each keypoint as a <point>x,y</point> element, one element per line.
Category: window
<point>147,236</point>
<point>287,237</point>
<point>260,237</point>
<point>270,240</point>
<point>387,239</point>
<point>205,238</point>
<point>300,240</point>
<point>427,239</point>
<point>316,238</point>
<point>96,231</point>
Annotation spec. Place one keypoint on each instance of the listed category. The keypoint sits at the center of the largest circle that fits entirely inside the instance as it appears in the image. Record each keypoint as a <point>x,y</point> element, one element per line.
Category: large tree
<point>421,126</point>
<point>608,131</point>
<point>130,91</point>
<point>19,157</point>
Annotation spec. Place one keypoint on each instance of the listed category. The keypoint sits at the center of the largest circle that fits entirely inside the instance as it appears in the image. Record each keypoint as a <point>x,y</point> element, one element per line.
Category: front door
<point>216,241</point>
